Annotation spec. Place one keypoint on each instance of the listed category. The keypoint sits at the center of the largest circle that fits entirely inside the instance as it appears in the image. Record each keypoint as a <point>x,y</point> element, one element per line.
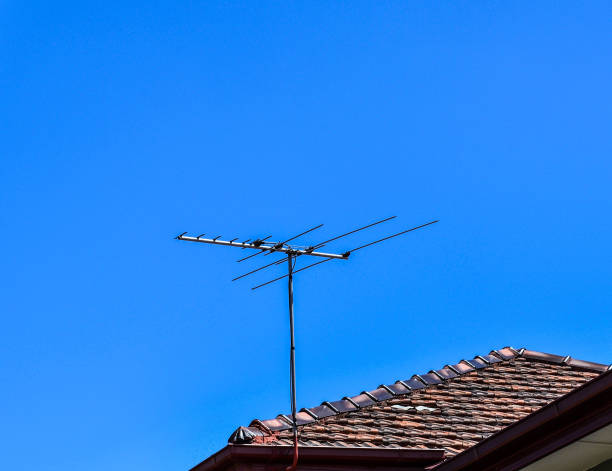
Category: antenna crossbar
<point>321,244</point>
<point>277,262</point>
<point>389,237</point>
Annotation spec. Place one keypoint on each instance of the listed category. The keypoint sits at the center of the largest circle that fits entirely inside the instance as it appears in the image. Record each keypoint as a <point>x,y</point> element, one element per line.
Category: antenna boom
<point>262,247</point>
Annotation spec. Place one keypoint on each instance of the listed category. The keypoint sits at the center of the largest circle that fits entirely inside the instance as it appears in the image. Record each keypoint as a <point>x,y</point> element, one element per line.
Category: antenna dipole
<point>290,255</point>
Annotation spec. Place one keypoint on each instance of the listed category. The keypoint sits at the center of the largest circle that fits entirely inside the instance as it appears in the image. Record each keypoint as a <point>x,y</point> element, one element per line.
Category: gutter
<point>329,456</point>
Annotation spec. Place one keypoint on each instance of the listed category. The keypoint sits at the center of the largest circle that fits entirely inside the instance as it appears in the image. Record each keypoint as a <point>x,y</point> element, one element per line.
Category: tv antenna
<point>290,253</point>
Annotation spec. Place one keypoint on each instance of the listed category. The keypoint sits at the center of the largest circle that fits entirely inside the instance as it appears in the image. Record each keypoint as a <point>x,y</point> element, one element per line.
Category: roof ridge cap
<point>563,360</point>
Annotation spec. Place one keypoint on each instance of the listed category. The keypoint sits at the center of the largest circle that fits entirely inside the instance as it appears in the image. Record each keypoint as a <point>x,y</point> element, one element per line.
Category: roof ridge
<point>310,415</point>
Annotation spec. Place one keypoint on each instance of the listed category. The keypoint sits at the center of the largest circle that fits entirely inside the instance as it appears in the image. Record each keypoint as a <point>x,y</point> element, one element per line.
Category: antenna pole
<point>292,363</point>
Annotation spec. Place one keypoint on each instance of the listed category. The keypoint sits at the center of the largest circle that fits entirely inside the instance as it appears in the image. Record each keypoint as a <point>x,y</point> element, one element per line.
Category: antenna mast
<point>290,254</point>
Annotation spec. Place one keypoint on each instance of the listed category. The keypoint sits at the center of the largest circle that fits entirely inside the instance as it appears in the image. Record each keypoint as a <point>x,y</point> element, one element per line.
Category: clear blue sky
<point>122,126</point>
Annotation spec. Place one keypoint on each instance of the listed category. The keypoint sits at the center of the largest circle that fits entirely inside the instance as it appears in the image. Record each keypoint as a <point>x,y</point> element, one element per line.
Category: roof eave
<point>317,455</point>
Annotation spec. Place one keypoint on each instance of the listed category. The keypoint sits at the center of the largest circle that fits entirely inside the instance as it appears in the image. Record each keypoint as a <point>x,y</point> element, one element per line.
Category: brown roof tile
<point>452,408</point>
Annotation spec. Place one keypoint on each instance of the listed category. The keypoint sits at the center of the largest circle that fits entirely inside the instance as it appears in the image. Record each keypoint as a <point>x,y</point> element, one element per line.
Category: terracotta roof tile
<point>451,408</point>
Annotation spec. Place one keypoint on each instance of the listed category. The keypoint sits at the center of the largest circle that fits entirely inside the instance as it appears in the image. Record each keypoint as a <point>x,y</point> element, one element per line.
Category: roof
<point>452,408</point>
